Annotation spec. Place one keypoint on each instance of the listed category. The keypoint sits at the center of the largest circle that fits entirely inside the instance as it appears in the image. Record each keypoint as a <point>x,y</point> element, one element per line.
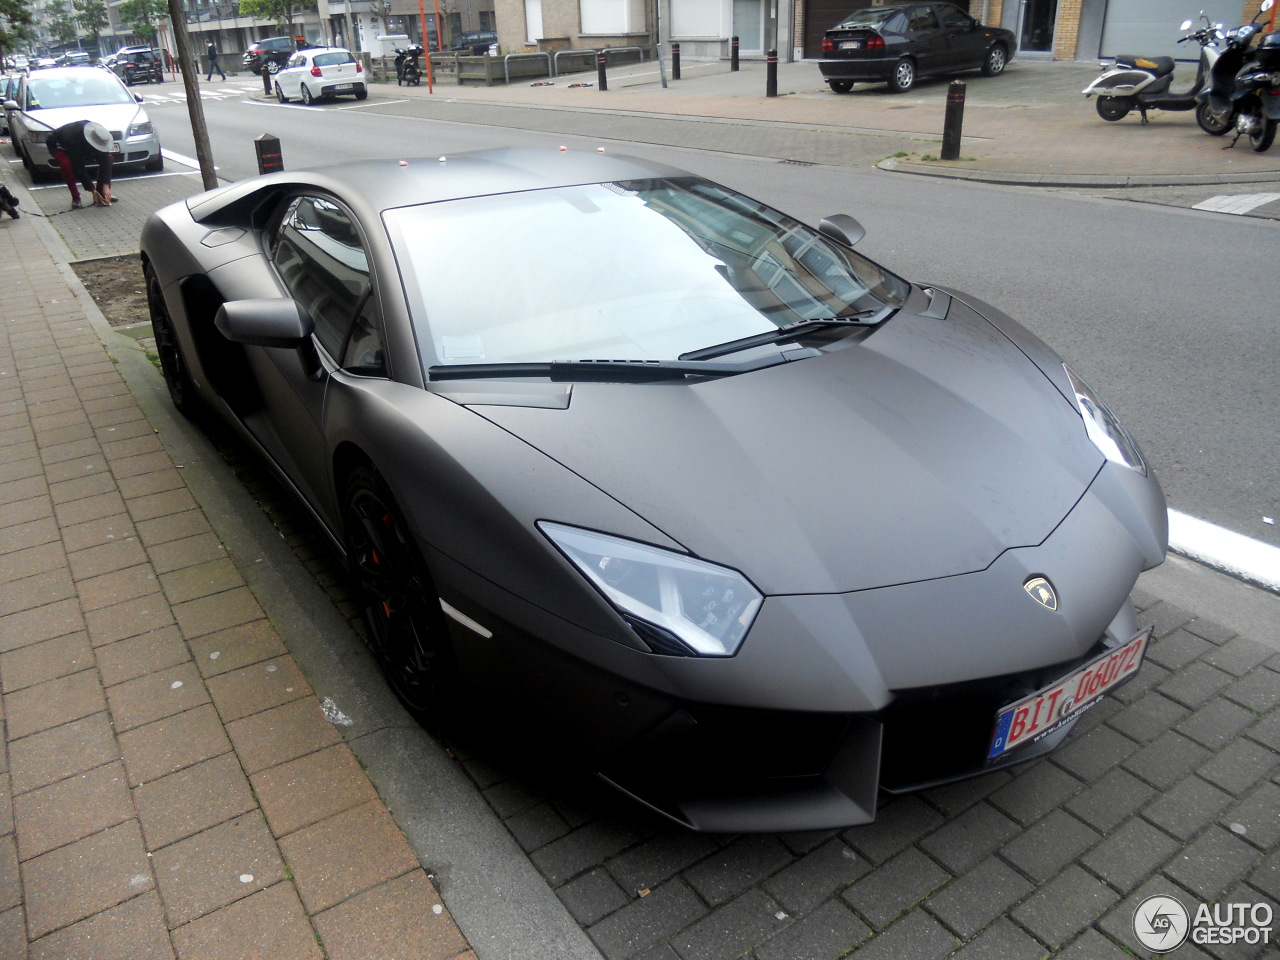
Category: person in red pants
<point>74,146</point>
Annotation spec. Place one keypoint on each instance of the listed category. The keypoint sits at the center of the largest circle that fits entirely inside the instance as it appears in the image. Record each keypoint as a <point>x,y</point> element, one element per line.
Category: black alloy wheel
<point>272,67</point>
<point>172,366</point>
<point>407,633</point>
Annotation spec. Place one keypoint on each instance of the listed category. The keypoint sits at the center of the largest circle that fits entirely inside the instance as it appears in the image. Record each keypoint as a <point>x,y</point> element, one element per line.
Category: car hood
<point>923,451</point>
<point>116,117</point>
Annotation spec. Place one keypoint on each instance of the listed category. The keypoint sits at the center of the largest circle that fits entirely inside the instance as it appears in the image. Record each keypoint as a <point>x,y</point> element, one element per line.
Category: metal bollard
<point>771,74</point>
<point>270,159</point>
<point>675,61</point>
<point>953,121</point>
<point>266,80</point>
<point>601,80</point>
<point>733,55</point>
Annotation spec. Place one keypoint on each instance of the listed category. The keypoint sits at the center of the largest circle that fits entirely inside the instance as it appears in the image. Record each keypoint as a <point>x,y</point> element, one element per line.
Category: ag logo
<point>1161,923</point>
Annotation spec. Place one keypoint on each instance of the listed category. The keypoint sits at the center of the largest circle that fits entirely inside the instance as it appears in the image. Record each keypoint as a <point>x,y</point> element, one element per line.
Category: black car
<point>138,65</point>
<point>896,44</point>
<point>475,44</point>
<point>273,52</point>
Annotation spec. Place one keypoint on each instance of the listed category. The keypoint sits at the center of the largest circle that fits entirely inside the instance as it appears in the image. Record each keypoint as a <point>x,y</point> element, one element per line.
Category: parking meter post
<point>733,55</point>
<point>675,61</point>
<point>266,79</point>
<point>267,147</point>
<point>953,122</point>
<point>601,80</point>
<point>771,74</point>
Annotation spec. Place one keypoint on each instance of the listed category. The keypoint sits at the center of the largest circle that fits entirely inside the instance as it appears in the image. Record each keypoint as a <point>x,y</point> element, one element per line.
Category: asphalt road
<point>1167,311</point>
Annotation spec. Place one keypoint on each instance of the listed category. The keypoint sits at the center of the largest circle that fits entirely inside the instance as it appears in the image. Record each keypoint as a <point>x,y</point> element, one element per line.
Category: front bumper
<point>139,149</point>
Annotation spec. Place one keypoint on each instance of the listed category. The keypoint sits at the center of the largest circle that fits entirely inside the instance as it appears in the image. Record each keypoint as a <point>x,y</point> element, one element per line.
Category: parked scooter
<point>407,69</point>
<point>1244,87</point>
<point>1142,83</point>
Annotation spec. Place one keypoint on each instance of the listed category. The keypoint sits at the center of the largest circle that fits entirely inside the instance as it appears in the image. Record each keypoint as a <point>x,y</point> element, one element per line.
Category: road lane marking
<point>1239,203</point>
<point>1225,550</point>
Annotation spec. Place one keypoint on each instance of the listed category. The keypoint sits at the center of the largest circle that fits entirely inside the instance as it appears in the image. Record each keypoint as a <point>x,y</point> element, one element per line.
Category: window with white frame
<point>612,16</point>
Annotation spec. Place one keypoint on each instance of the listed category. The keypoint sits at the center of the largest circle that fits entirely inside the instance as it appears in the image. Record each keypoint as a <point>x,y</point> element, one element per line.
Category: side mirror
<point>281,323</point>
<point>11,105</point>
<point>1186,25</point>
<point>842,228</point>
<point>138,97</point>
<point>1266,5</point>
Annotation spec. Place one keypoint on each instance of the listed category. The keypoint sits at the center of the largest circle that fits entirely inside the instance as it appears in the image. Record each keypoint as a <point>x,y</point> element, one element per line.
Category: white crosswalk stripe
<point>1236,203</point>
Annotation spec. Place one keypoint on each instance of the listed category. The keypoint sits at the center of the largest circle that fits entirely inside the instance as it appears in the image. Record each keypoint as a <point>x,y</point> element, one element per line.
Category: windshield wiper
<point>862,318</point>
<point>611,371</point>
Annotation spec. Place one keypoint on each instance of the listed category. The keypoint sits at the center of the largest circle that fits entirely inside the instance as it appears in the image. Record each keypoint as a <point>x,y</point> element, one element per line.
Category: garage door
<point>1150,27</point>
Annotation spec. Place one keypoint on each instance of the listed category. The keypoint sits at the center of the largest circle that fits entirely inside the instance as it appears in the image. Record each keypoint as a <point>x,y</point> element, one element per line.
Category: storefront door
<point>1035,31</point>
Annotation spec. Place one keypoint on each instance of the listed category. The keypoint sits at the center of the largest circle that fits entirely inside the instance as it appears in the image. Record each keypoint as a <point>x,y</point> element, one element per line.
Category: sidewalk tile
<point>32,533</point>
<point>269,924</point>
<point>346,854</point>
<point>53,703</point>
<point>27,561</point>
<point>1213,863</point>
<point>191,800</point>
<point>802,885</point>
<point>47,660</point>
<point>201,580</point>
<point>10,877</point>
<point>134,929</point>
<point>118,587</point>
<point>1060,909</point>
<point>1036,792</point>
<point>147,484</point>
<point>917,935</point>
<point>82,488</point>
<point>402,919</point>
<point>1130,853</point>
<point>901,823</point>
<point>13,934</point>
<point>1050,845</point>
<point>237,647</point>
<point>141,655</point>
<point>44,758</point>
<point>648,920</point>
<point>218,612</point>
<point>176,554</point>
<point>176,526</point>
<point>85,878</point>
<point>312,788</point>
<point>988,891</point>
<point>257,687</point>
<point>97,533</point>
<point>281,734</point>
<point>130,619</point>
<point>828,931</point>
<point>18,491</point>
<point>172,744</point>
<point>967,839</point>
<point>71,809</point>
<point>731,929</point>
<point>894,886</point>
<point>217,867</point>
<point>37,591</point>
<point>78,467</point>
<point>729,871</point>
<point>118,554</point>
<point>163,504</point>
<point>156,695</point>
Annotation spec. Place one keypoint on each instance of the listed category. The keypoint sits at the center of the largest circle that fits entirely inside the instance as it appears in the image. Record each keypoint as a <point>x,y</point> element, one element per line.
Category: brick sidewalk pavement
<point>171,786</point>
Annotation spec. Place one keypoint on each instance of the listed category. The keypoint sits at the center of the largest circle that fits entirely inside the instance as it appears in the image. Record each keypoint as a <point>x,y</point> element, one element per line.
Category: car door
<point>966,40</point>
<point>927,42</point>
<point>320,257</point>
<point>290,76</point>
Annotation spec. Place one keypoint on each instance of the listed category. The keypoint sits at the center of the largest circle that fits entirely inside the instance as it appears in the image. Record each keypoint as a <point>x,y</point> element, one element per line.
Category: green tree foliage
<point>15,17</point>
<point>142,15</point>
<point>63,29</point>
<point>281,12</point>
<point>92,17</point>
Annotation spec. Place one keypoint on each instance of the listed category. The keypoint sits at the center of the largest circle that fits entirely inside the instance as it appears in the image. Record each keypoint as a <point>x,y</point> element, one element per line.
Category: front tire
<point>1113,108</point>
<point>280,94</point>
<point>172,365</point>
<point>1266,135</point>
<point>840,86</point>
<point>155,164</point>
<point>904,76</point>
<point>1213,124</point>
<point>407,632</point>
<point>997,59</point>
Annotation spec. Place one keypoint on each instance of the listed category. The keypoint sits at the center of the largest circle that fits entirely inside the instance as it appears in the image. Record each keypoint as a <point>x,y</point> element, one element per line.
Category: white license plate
<point>850,44</point>
<point>342,86</point>
<point>1046,710</point>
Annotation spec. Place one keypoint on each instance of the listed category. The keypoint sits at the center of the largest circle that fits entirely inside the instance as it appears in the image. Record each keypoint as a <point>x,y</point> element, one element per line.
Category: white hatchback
<point>321,72</point>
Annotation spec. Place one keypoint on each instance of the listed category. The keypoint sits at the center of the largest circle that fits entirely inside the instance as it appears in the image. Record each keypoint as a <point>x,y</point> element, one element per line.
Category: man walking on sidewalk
<point>213,63</point>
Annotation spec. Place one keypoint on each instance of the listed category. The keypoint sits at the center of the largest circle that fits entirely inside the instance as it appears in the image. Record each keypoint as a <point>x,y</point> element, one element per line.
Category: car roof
<point>373,186</point>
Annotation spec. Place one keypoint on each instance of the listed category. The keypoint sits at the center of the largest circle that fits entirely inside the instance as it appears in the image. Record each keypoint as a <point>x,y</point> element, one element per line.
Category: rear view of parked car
<point>270,52</point>
<point>138,65</point>
<point>319,73</point>
<point>898,44</point>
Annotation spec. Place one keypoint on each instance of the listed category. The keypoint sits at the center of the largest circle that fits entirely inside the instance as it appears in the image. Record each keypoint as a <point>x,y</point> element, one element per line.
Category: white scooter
<point>1142,83</point>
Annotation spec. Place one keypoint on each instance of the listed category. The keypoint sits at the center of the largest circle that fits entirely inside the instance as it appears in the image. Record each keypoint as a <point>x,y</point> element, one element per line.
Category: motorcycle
<point>1143,83</point>
<point>407,69</point>
<point>1244,87</point>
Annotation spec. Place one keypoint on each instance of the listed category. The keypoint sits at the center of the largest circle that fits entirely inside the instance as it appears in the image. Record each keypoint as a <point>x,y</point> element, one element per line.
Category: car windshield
<point>869,17</point>
<point>90,88</point>
<point>637,270</point>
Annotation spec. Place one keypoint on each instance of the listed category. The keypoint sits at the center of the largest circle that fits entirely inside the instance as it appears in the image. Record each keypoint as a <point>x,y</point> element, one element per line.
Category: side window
<point>320,258</point>
<point>922,18</point>
<point>954,18</point>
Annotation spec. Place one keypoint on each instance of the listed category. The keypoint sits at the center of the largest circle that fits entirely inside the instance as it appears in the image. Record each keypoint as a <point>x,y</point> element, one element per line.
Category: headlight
<point>1104,429</point>
<point>678,605</point>
<point>138,129</point>
<point>39,136</point>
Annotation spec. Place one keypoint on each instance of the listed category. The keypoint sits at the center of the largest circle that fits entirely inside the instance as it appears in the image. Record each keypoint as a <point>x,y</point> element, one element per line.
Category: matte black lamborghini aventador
<point>752,525</point>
